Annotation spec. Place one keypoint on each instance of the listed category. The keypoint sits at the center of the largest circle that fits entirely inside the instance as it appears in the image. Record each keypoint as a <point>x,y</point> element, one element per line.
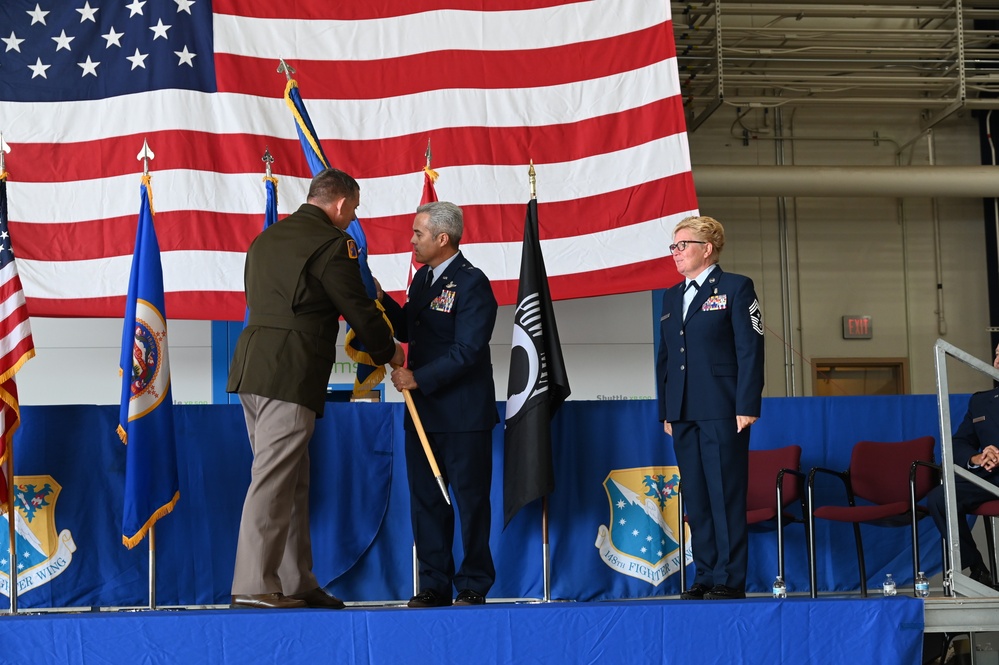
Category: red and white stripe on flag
<point>16,342</point>
<point>587,90</point>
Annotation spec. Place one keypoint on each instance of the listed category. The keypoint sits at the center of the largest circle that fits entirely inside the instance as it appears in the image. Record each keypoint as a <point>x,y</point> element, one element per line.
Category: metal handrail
<point>955,581</point>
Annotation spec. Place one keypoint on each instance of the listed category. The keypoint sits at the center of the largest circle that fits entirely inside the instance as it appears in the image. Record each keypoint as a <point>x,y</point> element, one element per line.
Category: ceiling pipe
<point>835,181</point>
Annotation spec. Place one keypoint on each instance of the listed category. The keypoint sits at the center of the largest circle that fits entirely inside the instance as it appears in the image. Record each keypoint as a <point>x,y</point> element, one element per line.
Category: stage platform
<point>756,630</point>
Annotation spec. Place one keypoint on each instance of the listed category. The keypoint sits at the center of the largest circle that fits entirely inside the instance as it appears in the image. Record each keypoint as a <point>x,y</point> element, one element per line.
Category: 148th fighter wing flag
<point>538,382</point>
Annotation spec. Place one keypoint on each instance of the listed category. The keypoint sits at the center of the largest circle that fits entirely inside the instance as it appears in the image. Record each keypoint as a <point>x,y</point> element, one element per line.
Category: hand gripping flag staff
<point>145,422</point>
<point>373,373</point>
<point>538,385</point>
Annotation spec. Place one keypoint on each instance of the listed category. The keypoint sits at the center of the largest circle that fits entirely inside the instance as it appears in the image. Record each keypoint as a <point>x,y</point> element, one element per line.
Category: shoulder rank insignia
<point>756,316</point>
<point>351,248</point>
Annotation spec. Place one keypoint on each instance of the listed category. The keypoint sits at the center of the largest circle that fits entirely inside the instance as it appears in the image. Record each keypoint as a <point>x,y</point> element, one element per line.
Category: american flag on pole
<point>16,343</point>
<point>587,90</point>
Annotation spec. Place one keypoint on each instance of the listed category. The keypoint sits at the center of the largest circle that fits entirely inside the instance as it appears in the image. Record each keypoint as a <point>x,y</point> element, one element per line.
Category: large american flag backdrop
<point>587,90</point>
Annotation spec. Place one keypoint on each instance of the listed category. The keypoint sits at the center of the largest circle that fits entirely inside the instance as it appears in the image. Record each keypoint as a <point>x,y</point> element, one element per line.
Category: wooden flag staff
<point>426,443</point>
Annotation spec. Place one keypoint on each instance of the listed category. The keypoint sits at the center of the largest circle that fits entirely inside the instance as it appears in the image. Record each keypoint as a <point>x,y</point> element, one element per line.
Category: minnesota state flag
<point>145,422</point>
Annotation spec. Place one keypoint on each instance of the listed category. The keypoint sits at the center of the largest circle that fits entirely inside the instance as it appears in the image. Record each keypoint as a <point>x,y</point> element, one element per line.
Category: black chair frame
<point>913,518</point>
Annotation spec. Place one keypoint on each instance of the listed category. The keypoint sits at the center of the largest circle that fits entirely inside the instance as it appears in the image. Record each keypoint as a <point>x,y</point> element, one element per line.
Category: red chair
<point>782,464</point>
<point>891,478</point>
<point>778,466</point>
<point>988,511</point>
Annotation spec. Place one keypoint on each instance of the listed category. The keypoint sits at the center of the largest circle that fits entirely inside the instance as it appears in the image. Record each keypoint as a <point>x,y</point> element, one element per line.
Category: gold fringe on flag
<point>147,181</point>
<point>364,358</point>
<point>160,512</point>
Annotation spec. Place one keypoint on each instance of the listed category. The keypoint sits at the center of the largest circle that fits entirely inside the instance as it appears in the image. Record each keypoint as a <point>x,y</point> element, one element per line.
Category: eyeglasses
<point>682,245</point>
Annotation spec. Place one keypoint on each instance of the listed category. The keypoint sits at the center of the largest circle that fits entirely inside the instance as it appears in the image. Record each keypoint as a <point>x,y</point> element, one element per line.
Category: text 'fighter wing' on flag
<point>594,102</point>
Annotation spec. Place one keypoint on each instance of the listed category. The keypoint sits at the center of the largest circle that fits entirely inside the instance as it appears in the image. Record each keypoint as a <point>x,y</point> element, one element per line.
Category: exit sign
<point>857,327</point>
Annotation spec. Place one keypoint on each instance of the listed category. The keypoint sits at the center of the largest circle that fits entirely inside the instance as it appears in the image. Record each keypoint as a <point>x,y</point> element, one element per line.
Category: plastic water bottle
<point>922,585</point>
<point>889,585</point>
<point>780,589</point>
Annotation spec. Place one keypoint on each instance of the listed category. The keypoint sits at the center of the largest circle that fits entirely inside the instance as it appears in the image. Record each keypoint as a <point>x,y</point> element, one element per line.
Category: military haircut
<point>329,185</point>
<point>444,217</point>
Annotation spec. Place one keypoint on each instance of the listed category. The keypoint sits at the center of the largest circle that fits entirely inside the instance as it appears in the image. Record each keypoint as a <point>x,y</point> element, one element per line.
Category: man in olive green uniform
<point>301,274</point>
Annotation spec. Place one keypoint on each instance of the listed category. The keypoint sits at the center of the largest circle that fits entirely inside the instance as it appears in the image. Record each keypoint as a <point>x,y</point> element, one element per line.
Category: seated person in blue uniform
<point>975,448</point>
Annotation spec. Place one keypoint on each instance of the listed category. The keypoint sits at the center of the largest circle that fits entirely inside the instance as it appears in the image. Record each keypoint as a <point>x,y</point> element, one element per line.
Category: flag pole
<point>9,449</point>
<point>546,559</point>
<point>268,160</point>
<point>426,443</point>
<point>11,533</point>
<point>144,156</point>
<point>152,566</point>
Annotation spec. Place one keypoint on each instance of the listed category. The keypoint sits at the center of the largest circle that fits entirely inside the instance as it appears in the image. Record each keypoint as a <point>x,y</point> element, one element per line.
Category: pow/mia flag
<point>538,382</point>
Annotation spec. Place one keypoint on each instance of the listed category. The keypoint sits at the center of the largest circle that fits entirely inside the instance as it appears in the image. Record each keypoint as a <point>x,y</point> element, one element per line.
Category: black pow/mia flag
<point>538,383</point>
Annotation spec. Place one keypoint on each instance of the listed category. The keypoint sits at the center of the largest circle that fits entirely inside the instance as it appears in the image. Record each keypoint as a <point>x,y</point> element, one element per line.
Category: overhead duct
<point>839,181</point>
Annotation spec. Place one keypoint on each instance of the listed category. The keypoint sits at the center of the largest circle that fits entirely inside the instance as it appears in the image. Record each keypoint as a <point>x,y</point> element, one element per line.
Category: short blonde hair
<point>704,228</point>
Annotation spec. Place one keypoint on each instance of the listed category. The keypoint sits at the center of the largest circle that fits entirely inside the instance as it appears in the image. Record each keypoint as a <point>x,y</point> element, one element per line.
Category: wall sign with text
<point>856,326</point>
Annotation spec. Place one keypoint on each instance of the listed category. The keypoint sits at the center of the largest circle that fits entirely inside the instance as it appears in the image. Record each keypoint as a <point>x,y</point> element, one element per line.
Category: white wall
<point>76,360</point>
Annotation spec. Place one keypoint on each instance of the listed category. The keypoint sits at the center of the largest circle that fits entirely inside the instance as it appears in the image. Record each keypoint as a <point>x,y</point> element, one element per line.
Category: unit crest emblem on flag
<point>150,380</point>
<point>41,554</point>
<point>641,539</point>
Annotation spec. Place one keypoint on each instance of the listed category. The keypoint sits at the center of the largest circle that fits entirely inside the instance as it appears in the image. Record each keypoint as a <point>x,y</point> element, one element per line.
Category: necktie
<point>688,296</point>
<point>430,278</point>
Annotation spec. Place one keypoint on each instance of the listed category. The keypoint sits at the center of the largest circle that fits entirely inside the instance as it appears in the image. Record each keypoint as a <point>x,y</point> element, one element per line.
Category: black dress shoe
<point>469,597</point>
<point>266,601</point>
<point>695,592</point>
<point>319,598</point>
<point>429,598</point>
<point>722,592</point>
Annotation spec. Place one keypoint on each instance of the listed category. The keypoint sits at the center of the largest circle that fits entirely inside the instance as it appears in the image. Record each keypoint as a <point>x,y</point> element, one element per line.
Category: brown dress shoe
<point>319,598</point>
<point>266,601</point>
